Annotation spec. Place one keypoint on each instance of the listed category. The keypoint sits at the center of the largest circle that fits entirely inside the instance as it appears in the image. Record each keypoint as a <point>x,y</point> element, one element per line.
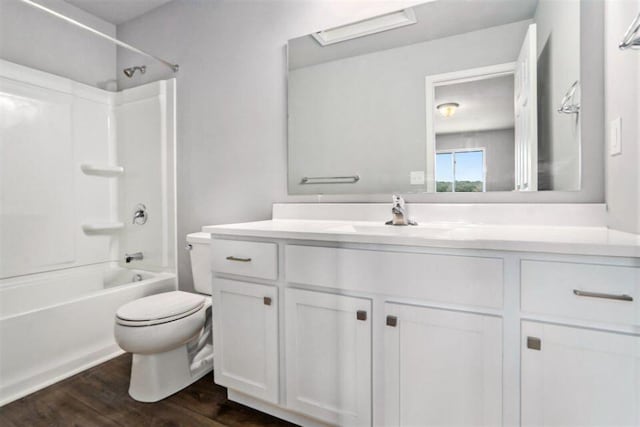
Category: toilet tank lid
<point>160,306</point>
<point>199,237</point>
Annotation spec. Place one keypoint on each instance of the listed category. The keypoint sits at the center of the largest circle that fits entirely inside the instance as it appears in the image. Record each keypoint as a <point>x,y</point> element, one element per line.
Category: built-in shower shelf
<point>101,170</point>
<point>102,227</point>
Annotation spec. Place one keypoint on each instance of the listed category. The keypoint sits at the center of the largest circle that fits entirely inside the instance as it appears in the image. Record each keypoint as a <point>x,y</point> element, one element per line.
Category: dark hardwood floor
<point>98,397</point>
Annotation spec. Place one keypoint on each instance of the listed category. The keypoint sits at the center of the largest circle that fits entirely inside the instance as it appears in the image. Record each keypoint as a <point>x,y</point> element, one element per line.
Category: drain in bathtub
<point>137,278</point>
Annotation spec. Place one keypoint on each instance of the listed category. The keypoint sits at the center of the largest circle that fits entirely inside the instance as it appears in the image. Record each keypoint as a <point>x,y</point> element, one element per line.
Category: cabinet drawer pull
<point>361,315</point>
<point>267,300</point>
<point>239,259</point>
<point>392,321</point>
<point>622,297</point>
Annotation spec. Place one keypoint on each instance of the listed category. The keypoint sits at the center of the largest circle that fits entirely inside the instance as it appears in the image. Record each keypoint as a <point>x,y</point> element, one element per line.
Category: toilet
<point>169,334</point>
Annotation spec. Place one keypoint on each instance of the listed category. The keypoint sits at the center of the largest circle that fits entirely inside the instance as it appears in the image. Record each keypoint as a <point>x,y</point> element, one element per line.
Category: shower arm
<point>174,67</point>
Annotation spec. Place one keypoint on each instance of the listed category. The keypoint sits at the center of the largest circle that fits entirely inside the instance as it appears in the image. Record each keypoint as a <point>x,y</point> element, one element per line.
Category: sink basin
<point>390,230</point>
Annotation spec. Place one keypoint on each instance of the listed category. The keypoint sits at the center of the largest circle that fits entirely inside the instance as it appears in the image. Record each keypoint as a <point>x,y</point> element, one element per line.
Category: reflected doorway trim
<point>454,77</point>
<point>455,151</point>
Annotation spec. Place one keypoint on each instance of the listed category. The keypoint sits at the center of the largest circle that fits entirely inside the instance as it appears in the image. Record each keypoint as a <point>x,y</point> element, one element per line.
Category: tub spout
<point>135,256</point>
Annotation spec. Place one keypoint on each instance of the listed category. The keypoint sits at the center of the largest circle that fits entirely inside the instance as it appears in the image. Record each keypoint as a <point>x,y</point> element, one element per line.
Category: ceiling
<point>435,20</point>
<point>117,11</point>
<point>484,105</point>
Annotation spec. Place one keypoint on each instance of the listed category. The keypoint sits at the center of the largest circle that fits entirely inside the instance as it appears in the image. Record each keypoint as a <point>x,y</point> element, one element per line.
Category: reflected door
<point>526,115</point>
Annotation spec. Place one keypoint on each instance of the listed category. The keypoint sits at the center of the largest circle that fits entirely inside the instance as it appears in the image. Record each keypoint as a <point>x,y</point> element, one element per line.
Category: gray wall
<point>558,24</point>
<point>622,99</point>
<point>232,151</point>
<point>366,114</point>
<point>33,38</point>
<point>499,154</point>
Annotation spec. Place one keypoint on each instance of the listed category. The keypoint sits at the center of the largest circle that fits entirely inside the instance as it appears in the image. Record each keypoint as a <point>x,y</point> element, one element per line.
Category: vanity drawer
<point>590,292</point>
<point>465,280</point>
<point>251,259</point>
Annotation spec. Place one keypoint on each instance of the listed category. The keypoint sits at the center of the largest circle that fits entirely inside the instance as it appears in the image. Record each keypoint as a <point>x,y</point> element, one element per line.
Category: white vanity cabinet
<point>580,350</point>
<point>338,333</point>
<point>579,377</point>
<point>328,356</point>
<point>246,337</point>
<point>442,367</point>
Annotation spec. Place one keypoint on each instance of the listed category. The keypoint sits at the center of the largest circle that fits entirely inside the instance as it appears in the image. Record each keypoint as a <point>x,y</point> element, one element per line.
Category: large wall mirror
<point>446,96</point>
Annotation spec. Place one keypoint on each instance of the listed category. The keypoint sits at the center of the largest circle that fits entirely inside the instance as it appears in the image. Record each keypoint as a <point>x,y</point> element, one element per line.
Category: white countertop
<point>551,239</point>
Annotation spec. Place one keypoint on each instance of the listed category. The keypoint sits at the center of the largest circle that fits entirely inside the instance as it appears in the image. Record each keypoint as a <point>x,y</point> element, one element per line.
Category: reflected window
<point>460,171</point>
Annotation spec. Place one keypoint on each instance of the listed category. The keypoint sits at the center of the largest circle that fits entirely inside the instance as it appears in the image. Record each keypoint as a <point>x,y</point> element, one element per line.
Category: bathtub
<point>56,324</point>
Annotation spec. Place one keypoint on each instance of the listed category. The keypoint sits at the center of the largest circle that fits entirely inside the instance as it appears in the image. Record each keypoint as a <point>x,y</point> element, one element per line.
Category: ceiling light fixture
<point>365,27</point>
<point>448,109</point>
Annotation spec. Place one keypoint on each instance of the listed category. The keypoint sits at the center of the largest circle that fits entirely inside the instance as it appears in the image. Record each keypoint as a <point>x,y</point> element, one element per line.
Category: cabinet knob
<point>392,321</point>
<point>267,300</point>
<point>534,343</point>
<point>361,315</point>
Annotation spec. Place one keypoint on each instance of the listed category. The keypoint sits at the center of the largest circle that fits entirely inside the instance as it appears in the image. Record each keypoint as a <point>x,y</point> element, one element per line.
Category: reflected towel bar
<point>330,179</point>
<point>631,39</point>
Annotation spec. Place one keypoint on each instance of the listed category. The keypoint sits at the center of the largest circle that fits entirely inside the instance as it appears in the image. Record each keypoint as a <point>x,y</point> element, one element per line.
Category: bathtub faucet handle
<point>135,256</point>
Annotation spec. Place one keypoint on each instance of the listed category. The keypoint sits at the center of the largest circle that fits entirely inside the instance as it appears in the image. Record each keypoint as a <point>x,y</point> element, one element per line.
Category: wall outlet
<point>615,137</point>
<point>417,178</point>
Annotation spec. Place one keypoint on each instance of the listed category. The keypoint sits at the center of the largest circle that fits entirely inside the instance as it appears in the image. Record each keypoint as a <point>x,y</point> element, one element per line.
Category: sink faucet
<point>135,256</point>
<point>399,213</point>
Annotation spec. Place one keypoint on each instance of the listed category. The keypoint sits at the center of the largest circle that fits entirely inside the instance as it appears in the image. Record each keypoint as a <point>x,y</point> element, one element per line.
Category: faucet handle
<point>399,213</point>
<point>140,215</point>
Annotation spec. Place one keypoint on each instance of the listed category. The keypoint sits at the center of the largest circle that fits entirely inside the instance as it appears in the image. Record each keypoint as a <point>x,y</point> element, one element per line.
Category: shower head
<point>129,72</point>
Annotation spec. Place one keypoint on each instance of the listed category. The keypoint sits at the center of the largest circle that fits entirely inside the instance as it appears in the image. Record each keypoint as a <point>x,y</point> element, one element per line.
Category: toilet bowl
<point>169,334</point>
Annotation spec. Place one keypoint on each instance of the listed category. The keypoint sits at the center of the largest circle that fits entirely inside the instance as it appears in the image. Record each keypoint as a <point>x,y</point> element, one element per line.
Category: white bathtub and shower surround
<point>56,324</point>
<point>86,158</point>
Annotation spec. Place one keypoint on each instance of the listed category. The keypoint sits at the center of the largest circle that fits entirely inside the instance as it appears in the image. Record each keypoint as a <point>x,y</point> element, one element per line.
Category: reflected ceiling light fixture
<point>365,27</point>
<point>448,109</point>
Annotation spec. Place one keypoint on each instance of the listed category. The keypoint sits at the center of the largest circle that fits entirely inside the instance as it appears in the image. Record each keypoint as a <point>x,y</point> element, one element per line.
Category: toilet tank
<point>199,244</point>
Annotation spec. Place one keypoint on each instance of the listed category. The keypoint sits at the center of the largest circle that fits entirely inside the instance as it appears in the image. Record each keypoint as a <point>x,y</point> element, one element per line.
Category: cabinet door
<point>329,356</point>
<point>442,368</point>
<point>245,325</point>
<point>579,377</point>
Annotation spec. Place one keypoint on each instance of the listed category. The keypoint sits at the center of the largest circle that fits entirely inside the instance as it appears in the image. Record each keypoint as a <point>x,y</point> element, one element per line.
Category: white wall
<point>499,154</point>
<point>35,39</point>
<point>622,76</point>
<point>366,114</point>
<point>232,151</point>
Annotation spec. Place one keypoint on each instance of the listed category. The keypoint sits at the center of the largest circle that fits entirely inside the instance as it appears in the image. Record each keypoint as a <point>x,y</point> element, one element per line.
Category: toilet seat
<point>160,308</point>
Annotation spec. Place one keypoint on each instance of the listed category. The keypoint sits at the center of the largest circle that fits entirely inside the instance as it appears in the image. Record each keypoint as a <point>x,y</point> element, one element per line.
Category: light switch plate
<point>615,137</point>
<point>417,177</point>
